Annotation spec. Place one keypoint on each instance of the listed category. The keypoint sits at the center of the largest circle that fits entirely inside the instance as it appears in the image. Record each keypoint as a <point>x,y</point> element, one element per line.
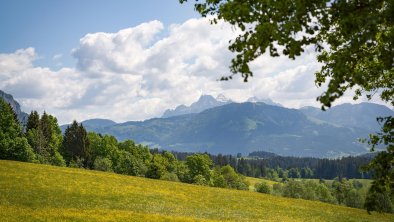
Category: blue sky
<point>132,59</point>
<point>54,27</point>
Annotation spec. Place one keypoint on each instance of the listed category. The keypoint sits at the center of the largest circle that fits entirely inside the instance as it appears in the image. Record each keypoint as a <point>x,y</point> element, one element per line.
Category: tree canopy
<point>75,145</point>
<point>353,39</point>
<point>13,146</point>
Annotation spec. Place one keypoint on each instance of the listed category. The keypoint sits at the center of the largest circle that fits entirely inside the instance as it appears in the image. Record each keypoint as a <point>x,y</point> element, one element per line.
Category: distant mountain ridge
<point>93,124</point>
<point>243,128</point>
<point>362,115</point>
<point>254,126</point>
<point>22,116</point>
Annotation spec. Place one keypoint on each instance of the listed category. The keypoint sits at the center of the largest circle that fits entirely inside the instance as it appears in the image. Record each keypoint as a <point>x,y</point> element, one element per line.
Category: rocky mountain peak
<point>203,103</point>
<point>22,117</point>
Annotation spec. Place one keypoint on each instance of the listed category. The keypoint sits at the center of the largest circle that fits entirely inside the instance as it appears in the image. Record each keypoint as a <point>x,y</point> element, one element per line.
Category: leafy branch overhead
<point>354,39</point>
<point>354,42</point>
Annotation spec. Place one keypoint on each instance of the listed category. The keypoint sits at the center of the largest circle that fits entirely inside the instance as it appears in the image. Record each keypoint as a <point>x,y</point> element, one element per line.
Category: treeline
<point>273,166</point>
<point>304,167</point>
<point>351,193</point>
<point>41,141</point>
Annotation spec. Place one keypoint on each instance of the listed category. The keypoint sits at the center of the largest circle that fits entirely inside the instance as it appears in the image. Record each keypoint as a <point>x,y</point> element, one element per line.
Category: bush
<point>294,189</point>
<point>102,164</point>
<point>242,184</point>
<point>77,163</point>
<point>58,160</point>
<point>128,164</point>
<point>324,194</point>
<point>182,172</point>
<point>379,201</point>
<point>263,187</point>
<point>308,190</point>
<point>218,181</point>
<point>354,199</point>
<point>357,184</point>
<point>200,180</point>
<point>170,177</point>
<point>277,189</point>
<point>226,177</point>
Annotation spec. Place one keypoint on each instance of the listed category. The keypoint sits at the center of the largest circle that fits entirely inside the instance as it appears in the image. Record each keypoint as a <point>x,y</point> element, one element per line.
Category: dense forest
<point>269,165</point>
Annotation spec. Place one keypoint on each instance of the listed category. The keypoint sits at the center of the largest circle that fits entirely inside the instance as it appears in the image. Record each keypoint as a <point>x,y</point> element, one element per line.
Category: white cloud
<point>137,73</point>
<point>14,63</point>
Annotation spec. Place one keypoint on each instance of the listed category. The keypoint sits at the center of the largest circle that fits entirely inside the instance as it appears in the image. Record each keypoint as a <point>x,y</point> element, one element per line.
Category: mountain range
<point>361,115</point>
<point>226,127</point>
<point>243,128</point>
<point>218,125</point>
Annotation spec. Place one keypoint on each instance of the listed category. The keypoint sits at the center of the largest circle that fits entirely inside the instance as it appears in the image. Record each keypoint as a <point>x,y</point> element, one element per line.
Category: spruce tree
<point>45,137</point>
<point>75,146</point>
<point>33,121</point>
<point>46,128</point>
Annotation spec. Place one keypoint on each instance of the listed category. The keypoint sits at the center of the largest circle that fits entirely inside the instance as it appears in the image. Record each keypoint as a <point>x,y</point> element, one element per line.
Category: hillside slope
<point>362,115</point>
<point>92,124</point>
<point>32,192</point>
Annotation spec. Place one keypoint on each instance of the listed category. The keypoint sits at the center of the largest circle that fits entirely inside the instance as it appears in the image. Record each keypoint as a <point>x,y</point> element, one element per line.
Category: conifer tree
<point>75,145</point>
<point>44,136</point>
<point>46,127</point>
<point>12,145</point>
<point>33,121</point>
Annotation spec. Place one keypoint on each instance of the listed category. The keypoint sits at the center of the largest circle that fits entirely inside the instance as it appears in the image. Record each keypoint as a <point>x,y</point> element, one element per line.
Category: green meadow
<point>33,192</point>
<point>253,181</point>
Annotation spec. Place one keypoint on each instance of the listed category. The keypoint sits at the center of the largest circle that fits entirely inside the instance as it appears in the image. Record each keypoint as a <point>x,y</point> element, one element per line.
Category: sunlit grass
<point>32,192</point>
<point>252,181</point>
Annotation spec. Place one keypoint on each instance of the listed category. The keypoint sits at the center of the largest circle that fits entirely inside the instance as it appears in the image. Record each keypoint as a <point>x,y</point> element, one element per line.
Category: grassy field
<point>32,192</point>
<point>252,181</point>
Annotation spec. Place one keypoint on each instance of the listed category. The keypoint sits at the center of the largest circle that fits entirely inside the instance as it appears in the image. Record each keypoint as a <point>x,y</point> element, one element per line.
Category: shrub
<point>294,189</point>
<point>102,164</point>
<point>263,187</point>
<point>354,199</point>
<point>170,177</point>
<point>76,163</point>
<point>200,180</point>
<point>277,189</point>
<point>379,201</point>
<point>58,160</point>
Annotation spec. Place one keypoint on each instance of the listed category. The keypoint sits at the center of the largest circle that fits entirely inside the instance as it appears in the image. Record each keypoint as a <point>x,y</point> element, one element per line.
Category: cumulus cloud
<point>137,73</point>
<point>14,63</point>
<point>121,52</point>
<point>38,87</point>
